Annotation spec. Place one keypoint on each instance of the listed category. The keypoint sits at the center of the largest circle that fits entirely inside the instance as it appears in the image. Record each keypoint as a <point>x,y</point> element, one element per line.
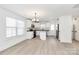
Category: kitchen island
<point>42,33</point>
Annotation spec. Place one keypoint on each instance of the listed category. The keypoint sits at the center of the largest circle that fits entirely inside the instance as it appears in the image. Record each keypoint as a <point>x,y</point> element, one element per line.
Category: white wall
<point>65,28</point>
<point>8,42</point>
<point>28,23</point>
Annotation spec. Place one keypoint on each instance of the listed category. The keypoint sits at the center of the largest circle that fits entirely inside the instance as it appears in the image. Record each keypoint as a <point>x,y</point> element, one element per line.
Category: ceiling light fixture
<point>35,18</point>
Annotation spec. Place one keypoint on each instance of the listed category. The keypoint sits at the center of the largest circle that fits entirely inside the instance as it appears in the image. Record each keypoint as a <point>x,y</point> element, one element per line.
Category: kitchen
<point>43,28</point>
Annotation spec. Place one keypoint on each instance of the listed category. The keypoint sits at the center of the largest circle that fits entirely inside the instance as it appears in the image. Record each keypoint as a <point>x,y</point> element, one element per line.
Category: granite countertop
<point>42,30</point>
<point>39,30</point>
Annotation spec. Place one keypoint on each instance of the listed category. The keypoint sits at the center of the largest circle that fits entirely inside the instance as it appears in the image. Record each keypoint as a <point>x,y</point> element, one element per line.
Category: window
<point>14,27</point>
<point>52,27</point>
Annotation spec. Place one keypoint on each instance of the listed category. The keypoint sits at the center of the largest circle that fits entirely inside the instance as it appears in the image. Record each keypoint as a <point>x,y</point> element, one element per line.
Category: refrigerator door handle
<point>74,31</point>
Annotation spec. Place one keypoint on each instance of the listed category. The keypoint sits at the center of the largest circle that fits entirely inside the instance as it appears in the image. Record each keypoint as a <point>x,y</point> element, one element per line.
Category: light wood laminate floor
<point>51,46</point>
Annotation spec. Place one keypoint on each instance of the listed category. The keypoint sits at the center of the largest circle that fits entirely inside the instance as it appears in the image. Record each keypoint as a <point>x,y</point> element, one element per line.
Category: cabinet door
<point>65,29</point>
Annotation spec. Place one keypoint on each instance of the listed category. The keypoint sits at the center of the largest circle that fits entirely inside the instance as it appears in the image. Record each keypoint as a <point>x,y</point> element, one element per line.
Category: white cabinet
<point>43,35</point>
<point>65,29</point>
<point>37,33</point>
<point>29,35</point>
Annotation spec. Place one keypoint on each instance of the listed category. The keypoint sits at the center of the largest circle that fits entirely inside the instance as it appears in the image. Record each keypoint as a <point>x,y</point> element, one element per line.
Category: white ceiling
<point>43,10</point>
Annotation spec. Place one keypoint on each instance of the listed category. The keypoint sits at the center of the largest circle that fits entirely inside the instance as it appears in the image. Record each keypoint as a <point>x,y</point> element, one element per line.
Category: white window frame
<point>16,28</point>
